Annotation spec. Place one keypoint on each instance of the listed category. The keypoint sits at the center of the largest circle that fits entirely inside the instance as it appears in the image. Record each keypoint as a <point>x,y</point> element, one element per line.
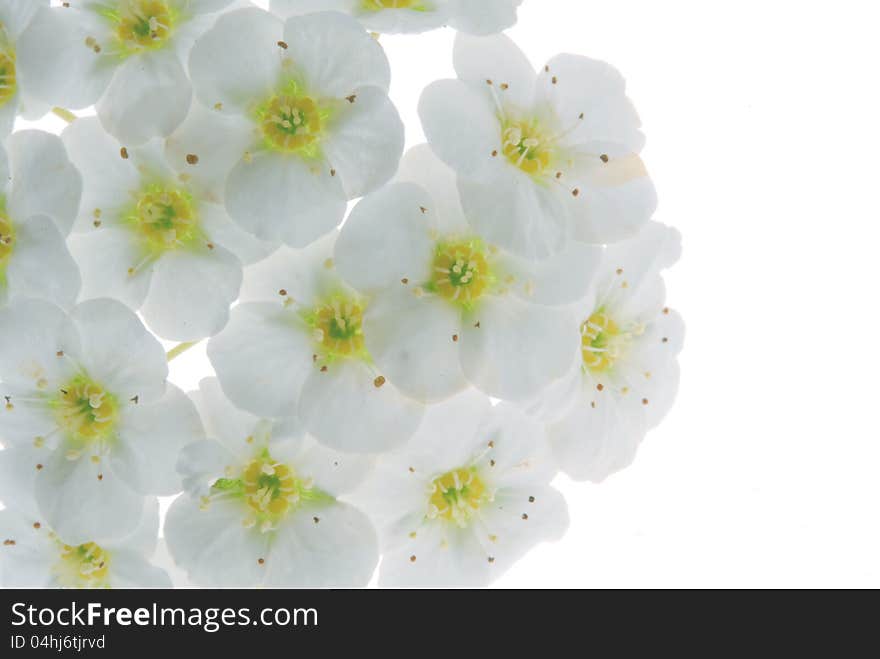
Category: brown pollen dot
<point>379,381</point>
<point>100,477</point>
<point>555,80</point>
<point>39,466</point>
<point>283,292</point>
<point>644,401</point>
<point>455,337</point>
<point>665,340</point>
<point>316,519</point>
<point>525,516</point>
<point>404,281</point>
<point>603,158</point>
<point>491,559</point>
<point>192,159</point>
<point>323,369</point>
<point>261,561</point>
<point>531,499</point>
<point>123,152</point>
<point>412,559</point>
<point>282,44</point>
<point>36,525</point>
<point>600,386</point>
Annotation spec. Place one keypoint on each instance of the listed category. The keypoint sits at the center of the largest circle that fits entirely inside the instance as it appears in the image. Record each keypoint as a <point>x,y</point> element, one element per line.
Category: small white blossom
<point>32,555</point>
<point>15,15</point>
<point>466,498</point>
<point>625,377</point>
<point>39,193</point>
<point>87,417</point>
<point>296,345</point>
<point>305,103</point>
<point>151,236</point>
<point>413,16</point>
<point>542,159</point>
<point>261,505</point>
<point>127,57</point>
<point>447,307</point>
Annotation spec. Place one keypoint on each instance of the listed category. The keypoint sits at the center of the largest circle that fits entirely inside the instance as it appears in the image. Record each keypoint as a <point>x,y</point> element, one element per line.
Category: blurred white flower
<point>87,420</point>
<point>413,16</point>
<point>542,159</point>
<point>626,376</point>
<point>124,56</point>
<point>261,507</point>
<point>447,307</point>
<point>34,556</point>
<point>466,498</point>
<point>39,193</point>
<point>151,236</point>
<point>15,15</point>
<point>296,345</point>
<point>302,120</point>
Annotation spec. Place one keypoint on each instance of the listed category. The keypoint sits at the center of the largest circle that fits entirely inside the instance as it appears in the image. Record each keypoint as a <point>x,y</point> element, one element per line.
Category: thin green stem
<point>178,350</point>
<point>67,115</point>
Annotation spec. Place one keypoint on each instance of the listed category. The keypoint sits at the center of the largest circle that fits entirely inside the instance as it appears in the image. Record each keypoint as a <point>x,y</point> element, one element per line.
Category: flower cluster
<point>401,381</point>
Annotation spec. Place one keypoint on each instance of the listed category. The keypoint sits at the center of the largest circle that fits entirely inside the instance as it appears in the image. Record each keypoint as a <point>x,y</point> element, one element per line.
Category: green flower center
<point>526,147</point>
<point>603,341</point>
<point>457,495</point>
<point>165,218</point>
<point>461,271</point>
<point>292,121</point>
<point>83,566</point>
<point>8,78</point>
<point>337,328</point>
<point>85,411</point>
<point>144,23</point>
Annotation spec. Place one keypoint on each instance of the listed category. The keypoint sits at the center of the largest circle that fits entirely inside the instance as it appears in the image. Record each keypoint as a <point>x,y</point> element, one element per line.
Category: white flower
<point>87,417</point>
<point>14,97</point>
<point>466,498</point>
<point>39,193</point>
<point>150,235</point>
<point>126,56</point>
<point>296,345</point>
<point>261,507</point>
<point>34,556</point>
<point>447,306</point>
<point>413,16</point>
<point>544,158</point>
<point>626,376</point>
<point>306,103</point>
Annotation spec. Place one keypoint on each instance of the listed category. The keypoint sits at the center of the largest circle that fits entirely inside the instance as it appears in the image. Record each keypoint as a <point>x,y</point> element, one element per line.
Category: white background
<point>763,140</point>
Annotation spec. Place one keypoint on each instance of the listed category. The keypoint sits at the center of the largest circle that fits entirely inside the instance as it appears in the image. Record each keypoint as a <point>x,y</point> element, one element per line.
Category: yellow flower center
<point>457,495</point>
<point>7,242</point>
<point>86,411</point>
<point>603,341</point>
<point>379,5</point>
<point>292,121</point>
<point>144,23</point>
<point>338,328</point>
<point>526,147</point>
<point>8,79</point>
<point>83,566</point>
<point>166,218</point>
<point>461,271</point>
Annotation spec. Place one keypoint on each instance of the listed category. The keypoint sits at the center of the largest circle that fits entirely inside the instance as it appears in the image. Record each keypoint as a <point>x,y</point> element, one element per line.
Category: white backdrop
<point>763,140</point>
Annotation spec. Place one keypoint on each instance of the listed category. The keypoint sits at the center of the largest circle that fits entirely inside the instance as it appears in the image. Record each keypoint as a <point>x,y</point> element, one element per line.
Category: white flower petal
<point>386,239</point>
<point>333,472</point>
<point>81,507</point>
<point>17,14</point>
<point>128,569</point>
<point>366,144</point>
<point>56,62</point>
<point>44,181</point>
<point>262,359</point>
<point>145,538</point>
<point>200,464</point>
<point>191,292</point>
<point>18,473</point>
<point>237,61</point>
<point>420,166</point>
<point>280,197</point>
<point>22,420</point>
<point>339,549</point>
<point>655,248</point>
<point>224,422</point>
<point>410,339</point>
<point>224,232</point>
<point>518,348</point>
<point>518,213</point>
<point>25,564</point>
<point>439,556</point>
<point>344,409</point>
<point>334,54</point>
<point>106,256</point>
<point>117,350</point>
<point>200,135</point>
<point>108,179</point>
<point>150,439</point>
<point>40,265</point>
<point>574,84</point>
<point>212,545</point>
<point>462,129</point>
<point>483,16</point>
<point>558,280</point>
<point>32,333</point>
<point>591,443</point>
<point>8,112</point>
<point>148,97</point>
<point>207,6</point>
<point>499,60</point>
